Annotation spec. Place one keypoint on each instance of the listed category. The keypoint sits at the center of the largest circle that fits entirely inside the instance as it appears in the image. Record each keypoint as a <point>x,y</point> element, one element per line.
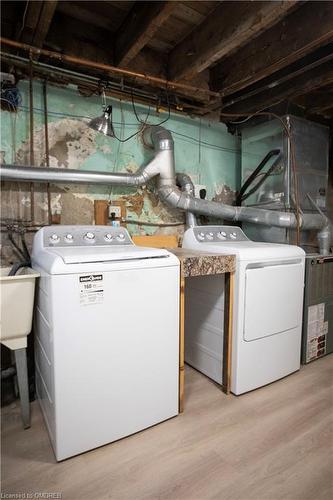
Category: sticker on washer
<point>91,289</point>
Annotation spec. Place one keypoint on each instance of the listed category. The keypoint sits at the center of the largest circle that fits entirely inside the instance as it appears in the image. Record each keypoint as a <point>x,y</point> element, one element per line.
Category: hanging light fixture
<point>103,123</point>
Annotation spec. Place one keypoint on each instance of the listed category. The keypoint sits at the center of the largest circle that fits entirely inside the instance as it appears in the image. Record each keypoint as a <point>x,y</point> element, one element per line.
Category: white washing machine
<point>107,335</point>
<point>267,315</point>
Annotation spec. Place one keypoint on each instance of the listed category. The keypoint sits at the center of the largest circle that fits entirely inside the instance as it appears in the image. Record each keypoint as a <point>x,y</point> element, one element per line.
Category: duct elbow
<point>184,181</point>
<point>158,137</point>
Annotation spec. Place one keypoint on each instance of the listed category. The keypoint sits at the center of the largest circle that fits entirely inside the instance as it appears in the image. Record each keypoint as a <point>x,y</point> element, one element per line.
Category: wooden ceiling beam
<point>37,22</point>
<point>304,83</point>
<point>225,30</point>
<point>303,31</point>
<point>139,27</point>
<point>317,101</point>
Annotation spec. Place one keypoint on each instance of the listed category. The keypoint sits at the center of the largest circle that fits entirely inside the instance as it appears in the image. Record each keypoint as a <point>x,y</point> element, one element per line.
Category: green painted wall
<point>73,145</point>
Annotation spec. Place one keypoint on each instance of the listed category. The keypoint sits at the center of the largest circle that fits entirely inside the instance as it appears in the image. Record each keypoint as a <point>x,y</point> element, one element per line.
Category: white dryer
<point>267,315</point>
<point>107,335</point>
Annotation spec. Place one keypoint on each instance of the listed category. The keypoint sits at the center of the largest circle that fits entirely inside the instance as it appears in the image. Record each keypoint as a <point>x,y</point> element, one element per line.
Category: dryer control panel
<point>218,234</point>
<point>82,236</point>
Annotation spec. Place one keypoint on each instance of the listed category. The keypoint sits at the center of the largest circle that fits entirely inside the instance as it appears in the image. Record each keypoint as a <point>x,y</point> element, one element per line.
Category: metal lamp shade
<point>103,123</point>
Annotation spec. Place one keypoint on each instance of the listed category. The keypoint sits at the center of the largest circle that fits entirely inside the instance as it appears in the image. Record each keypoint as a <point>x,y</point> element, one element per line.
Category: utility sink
<point>17,301</point>
<point>17,304</point>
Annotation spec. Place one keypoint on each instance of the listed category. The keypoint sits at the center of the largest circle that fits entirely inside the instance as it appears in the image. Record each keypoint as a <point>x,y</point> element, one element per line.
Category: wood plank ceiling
<point>254,54</point>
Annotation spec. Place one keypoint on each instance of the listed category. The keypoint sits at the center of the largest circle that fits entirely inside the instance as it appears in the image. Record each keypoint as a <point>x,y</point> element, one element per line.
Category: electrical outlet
<point>197,189</point>
<point>114,212</point>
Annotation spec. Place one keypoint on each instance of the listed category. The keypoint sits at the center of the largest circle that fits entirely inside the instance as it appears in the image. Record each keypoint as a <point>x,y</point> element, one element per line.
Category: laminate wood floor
<point>274,443</point>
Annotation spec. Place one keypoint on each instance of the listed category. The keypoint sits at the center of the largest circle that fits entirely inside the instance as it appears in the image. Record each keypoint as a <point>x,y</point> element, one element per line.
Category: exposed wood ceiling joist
<point>79,38</point>
<point>37,21</point>
<point>294,37</point>
<point>319,101</point>
<point>139,27</point>
<point>253,52</point>
<point>229,27</point>
<point>302,84</point>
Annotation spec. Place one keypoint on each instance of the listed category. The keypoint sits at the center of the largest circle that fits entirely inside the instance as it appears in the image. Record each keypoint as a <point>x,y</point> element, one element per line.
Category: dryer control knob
<point>89,236</point>
<point>54,238</point>
<point>108,237</point>
<point>221,235</point>
<point>233,236</point>
<point>121,237</point>
<point>210,236</point>
<point>69,238</point>
<point>201,236</point>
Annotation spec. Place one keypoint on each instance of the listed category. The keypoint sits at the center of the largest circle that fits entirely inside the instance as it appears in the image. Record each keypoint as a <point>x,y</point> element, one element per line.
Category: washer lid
<point>81,255</point>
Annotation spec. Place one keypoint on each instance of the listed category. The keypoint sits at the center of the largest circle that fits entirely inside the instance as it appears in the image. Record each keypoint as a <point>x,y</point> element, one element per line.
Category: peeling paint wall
<point>204,150</point>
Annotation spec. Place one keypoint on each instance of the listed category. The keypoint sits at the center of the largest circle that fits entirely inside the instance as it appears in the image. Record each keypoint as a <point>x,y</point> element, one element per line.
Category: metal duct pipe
<point>183,201</point>
<point>163,165</point>
<point>68,176</point>
<point>172,196</point>
<point>163,161</point>
<point>185,183</point>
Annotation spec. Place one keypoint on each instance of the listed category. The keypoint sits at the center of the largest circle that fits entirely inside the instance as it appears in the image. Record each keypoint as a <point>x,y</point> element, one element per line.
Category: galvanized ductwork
<point>163,161</point>
<point>162,165</point>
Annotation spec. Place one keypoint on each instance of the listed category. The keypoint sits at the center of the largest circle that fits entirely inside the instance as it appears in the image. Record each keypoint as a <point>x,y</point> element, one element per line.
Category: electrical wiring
<point>122,131</point>
<point>145,123</point>
<point>23,20</point>
<point>135,112</point>
<point>11,95</point>
<point>119,124</point>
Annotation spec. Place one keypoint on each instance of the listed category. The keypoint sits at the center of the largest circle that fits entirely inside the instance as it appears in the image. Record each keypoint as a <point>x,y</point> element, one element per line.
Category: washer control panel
<point>218,234</point>
<point>81,236</point>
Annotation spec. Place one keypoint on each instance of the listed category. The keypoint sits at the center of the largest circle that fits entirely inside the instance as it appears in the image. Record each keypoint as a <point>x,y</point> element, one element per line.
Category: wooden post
<point>181,341</point>
<point>227,336</point>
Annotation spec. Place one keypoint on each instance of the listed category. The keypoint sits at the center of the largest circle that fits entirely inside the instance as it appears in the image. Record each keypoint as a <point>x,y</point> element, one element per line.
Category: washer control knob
<point>69,238</point>
<point>210,236</point>
<point>89,236</point>
<point>201,236</point>
<point>221,235</point>
<point>108,237</point>
<point>233,236</point>
<point>224,234</point>
<point>54,238</point>
<point>120,237</point>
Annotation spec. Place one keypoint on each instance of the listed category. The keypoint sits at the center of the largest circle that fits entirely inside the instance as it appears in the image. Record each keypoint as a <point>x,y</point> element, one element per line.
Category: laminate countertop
<point>197,263</point>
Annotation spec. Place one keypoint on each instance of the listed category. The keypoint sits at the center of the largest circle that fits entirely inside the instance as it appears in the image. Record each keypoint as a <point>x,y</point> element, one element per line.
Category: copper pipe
<point>47,151</point>
<point>154,80</point>
<point>32,155</point>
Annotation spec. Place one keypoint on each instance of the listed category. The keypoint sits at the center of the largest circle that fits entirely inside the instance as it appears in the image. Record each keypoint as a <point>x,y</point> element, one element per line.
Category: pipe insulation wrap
<point>163,166</point>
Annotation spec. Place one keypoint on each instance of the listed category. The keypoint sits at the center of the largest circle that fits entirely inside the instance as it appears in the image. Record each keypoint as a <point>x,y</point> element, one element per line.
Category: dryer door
<point>273,300</point>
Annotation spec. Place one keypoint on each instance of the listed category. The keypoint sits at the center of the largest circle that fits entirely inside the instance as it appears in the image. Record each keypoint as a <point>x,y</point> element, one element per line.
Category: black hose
<point>16,247</point>
<point>241,195</point>
<point>17,266</point>
<point>264,177</point>
<point>25,248</point>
